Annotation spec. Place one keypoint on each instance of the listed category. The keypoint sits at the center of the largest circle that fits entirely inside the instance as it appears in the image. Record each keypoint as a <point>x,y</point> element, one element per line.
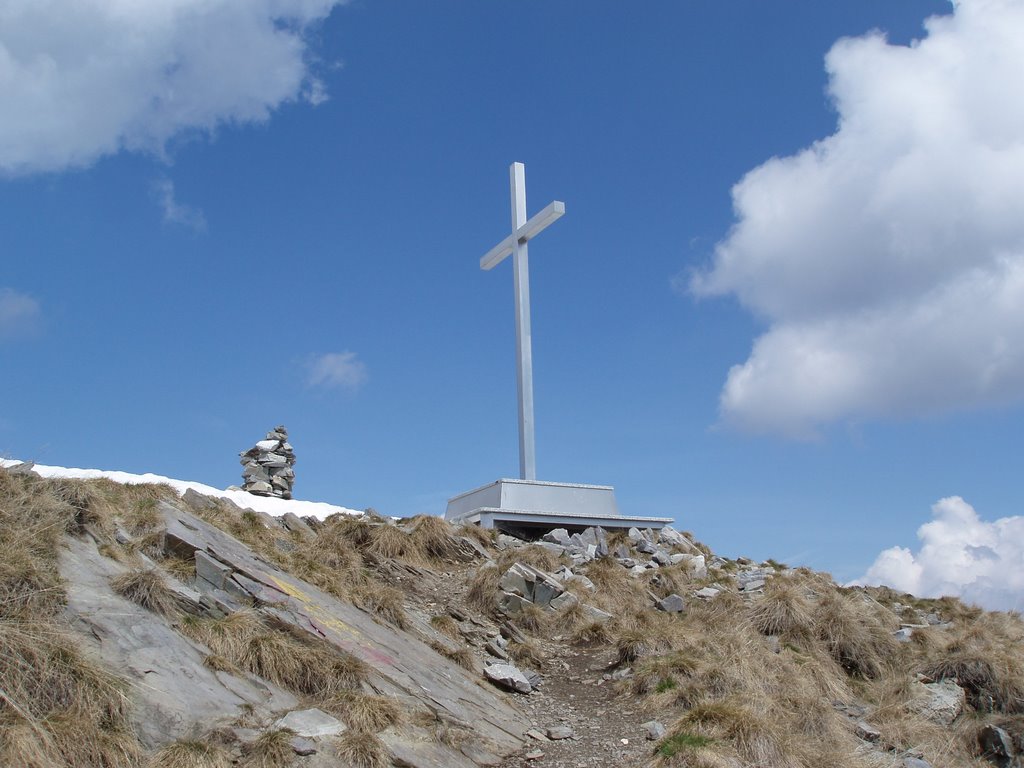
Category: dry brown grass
<point>363,749</point>
<point>389,542</point>
<point>756,739</point>
<point>593,633</point>
<point>527,652</point>
<point>382,601</point>
<point>855,633</point>
<point>784,610</point>
<point>483,536</point>
<point>434,539</point>
<point>299,663</point>
<point>447,626</point>
<point>533,555</point>
<point>146,587</point>
<point>363,712</point>
<point>272,749</point>
<point>58,707</point>
<point>532,618</point>
<point>142,517</point>
<point>483,588</point>
<point>459,654</point>
<point>190,754</point>
<point>985,659</point>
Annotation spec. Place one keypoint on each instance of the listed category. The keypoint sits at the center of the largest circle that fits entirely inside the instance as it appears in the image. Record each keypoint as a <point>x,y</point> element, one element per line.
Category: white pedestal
<point>525,506</point>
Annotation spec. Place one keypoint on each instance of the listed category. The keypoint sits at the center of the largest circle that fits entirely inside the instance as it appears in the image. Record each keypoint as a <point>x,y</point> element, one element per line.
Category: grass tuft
<point>363,749</point>
<point>146,587</point>
<point>363,712</point>
<point>190,754</point>
<point>272,749</point>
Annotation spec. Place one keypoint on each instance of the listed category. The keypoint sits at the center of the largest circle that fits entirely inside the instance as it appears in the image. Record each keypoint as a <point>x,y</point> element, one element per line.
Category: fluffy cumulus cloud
<point>80,79</point>
<point>962,555</point>
<point>19,314</point>
<point>336,370</point>
<point>887,260</point>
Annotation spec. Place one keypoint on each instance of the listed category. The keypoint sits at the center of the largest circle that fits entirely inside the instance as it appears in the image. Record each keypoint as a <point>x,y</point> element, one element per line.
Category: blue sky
<point>218,216</point>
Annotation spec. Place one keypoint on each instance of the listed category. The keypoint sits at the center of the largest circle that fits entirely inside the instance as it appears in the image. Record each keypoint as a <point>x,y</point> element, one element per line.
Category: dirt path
<point>607,729</point>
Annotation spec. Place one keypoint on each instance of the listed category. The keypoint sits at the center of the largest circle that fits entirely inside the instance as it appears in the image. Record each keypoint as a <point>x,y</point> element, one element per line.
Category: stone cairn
<point>268,466</point>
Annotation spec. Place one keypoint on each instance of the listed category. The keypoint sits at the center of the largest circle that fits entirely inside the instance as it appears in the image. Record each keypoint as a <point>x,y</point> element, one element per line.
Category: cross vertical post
<point>514,245</point>
<point>524,343</point>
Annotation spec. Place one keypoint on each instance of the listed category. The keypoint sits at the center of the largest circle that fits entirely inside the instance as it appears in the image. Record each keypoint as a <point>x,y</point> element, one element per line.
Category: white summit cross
<point>528,507</point>
<point>515,245</point>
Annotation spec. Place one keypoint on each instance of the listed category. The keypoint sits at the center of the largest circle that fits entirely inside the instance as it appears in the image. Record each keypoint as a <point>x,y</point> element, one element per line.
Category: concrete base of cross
<point>529,508</point>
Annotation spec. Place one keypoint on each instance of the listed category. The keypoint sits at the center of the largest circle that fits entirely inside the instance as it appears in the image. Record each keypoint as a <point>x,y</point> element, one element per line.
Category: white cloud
<point>888,258</point>
<point>175,212</point>
<point>19,313</point>
<point>962,555</point>
<point>336,370</point>
<point>80,79</point>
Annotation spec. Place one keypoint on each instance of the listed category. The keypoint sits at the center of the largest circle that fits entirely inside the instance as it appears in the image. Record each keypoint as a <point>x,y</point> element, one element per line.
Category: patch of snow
<point>269,504</point>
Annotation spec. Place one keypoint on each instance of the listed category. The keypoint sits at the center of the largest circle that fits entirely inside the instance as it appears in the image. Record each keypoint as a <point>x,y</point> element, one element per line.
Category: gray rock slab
<point>517,580</point>
<point>400,663</point>
<point>508,676</point>
<point>672,604</point>
<point>311,723</point>
<point>563,601</point>
<point>417,748</point>
<point>297,525</point>
<point>596,614</point>
<point>511,604</point>
<point>556,549</point>
<point>302,746</point>
<point>940,702</point>
<point>173,694</point>
<point>867,732</point>
<point>996,744</point>
<point>654,730</point>
<point>212,571</point>
<point>661,557</point>
<point>559,732</point>
<point>494,648</point>
<point>706,593</point>
<point>558,536</point>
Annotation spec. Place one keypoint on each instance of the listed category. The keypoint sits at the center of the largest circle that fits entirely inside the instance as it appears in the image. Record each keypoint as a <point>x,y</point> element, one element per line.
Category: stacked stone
<point>268,466</point>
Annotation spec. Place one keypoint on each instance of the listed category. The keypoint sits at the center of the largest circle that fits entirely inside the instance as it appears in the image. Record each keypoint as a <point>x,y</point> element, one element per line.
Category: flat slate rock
<point>173,693</point>
<point>311,723</point>
<point>401,664</point>
<point>508,676</point>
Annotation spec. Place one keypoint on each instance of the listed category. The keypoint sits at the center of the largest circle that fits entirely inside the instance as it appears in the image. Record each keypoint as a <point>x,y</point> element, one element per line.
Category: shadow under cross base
<point>530,508</point>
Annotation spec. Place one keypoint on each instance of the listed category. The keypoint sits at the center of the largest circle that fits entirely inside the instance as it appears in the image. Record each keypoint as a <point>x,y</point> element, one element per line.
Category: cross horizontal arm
<point>529,230</point>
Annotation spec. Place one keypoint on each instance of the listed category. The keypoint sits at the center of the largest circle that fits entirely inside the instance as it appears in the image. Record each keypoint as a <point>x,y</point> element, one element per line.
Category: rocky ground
<point>412,643</point>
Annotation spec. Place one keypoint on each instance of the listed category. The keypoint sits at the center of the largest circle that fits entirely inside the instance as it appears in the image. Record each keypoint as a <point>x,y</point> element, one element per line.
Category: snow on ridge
<point>269,504</point>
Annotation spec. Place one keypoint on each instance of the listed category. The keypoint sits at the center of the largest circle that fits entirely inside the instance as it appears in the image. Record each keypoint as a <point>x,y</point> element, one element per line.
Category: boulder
<point>867,732</point>
<point>558,536</point>
<point>508,676</point>
<point>706,593</point>
<point>940,702</point>
<point>996,745</point>
<point>531,584</point>
<point>672,604</point>
<point>560,732</point>
<point>654,729</point>
<point>596,614</point>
